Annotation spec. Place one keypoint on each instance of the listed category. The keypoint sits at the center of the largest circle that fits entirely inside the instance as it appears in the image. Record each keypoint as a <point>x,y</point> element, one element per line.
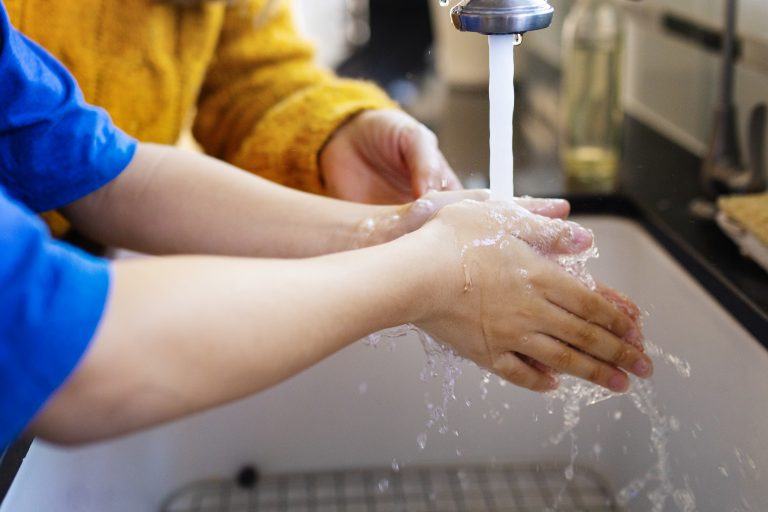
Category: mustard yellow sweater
<point>257,98</point>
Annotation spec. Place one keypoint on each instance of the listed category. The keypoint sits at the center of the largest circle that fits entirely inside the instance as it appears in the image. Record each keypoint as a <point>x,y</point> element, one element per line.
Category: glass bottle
<point>591,112</point>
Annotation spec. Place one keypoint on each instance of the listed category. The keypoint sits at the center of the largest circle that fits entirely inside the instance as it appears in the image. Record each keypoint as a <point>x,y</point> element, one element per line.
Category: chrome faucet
<point>502,16</point>
<point>723,170</point>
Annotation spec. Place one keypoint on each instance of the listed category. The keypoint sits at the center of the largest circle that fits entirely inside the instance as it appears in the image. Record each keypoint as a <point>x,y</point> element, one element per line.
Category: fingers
<point>428,168</point>
<point>566,359</point>
<point>573,297</point>
<point>629,308</point>
<point>596,340</point>
<point>449,180</point>
<point>416,213</point>
<point>552,208</point>
<point>512,368</point>
<point>549,236</point>
<point>440,199</point>
<point>552,237</point>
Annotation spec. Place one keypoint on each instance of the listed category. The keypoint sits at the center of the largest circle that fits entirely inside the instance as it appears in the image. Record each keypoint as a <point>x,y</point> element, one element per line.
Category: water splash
<point>575,393</point>
<point>387,338</point>
<point>682,367</point>
<point>442,362</point>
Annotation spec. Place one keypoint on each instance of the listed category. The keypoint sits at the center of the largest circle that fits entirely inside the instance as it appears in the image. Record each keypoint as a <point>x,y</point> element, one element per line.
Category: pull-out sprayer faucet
<point>723,170</point>
<point>492,17</point>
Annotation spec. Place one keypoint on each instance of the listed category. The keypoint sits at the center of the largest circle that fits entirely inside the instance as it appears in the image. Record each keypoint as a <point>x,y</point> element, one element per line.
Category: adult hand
<point>384,157</point>
<point>505,303</point>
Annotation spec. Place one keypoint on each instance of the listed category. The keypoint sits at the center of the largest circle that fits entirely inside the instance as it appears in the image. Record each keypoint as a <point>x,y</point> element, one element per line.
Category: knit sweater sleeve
<point>265,106</point>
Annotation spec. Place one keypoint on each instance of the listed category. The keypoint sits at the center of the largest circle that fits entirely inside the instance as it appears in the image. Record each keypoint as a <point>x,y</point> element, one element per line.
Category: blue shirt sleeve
<point>51,301</point>
<point>54,147</point>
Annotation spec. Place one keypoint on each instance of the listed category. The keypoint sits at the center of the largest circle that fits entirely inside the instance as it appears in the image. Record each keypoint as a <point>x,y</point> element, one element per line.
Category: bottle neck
<point>594,19</point>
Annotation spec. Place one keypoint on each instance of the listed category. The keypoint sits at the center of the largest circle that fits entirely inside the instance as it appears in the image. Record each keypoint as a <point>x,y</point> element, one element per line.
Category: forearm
<point>185,334</point>
<point>170,201</point>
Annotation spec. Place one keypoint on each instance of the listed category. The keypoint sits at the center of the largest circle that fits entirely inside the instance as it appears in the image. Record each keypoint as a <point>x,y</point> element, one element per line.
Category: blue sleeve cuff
<point>54,147</point>
<point>52,298</point>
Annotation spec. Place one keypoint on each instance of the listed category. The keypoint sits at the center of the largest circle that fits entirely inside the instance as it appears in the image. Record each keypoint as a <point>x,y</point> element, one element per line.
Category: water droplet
<point>362,388</point>
<point>383,485</point>
<point>723,470</point>
<point>518,39</point>
<point>569,473</point>
<point>684,500</point>
<point>443,3</point>
<point>395,466</point>
<point>467,278</point>
<point>421,439</point>
<point>617,415</point>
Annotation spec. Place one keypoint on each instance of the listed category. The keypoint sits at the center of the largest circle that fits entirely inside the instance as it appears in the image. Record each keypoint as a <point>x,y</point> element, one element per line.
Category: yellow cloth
<point>260,101</point>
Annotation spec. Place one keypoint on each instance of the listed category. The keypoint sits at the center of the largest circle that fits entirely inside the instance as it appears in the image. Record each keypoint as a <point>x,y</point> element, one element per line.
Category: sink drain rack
<point>509,488</point>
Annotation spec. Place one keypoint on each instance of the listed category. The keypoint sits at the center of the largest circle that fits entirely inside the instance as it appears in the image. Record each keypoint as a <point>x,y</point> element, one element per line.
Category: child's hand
<point>392,222</point>
<point>500,299</point>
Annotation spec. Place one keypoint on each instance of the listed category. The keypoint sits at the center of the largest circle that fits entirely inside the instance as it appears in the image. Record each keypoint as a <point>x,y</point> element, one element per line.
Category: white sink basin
<point>365,407</point>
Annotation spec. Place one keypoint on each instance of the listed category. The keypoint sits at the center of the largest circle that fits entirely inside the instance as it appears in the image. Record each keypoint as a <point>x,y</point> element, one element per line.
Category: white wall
<point>322,21</point>
<point>753,14</point>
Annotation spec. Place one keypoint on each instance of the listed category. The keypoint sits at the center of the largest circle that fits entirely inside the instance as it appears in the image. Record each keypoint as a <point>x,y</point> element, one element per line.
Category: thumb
<point>441,199</point>
<point>418,212</point>
<point>552,208</point>
<point>429,171</point>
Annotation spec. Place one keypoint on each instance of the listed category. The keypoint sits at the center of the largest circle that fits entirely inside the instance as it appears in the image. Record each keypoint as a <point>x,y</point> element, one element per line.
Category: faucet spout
<point>722,169</point>
<point>492,17</point>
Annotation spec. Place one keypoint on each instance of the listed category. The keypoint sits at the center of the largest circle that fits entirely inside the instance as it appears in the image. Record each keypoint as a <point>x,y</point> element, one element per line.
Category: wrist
<point>338,133</point>
<point>432,262</point>
<point>380,224</point>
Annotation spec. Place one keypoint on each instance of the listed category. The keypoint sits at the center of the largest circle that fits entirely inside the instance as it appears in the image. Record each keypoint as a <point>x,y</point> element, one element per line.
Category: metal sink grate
<point>533,488</point>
